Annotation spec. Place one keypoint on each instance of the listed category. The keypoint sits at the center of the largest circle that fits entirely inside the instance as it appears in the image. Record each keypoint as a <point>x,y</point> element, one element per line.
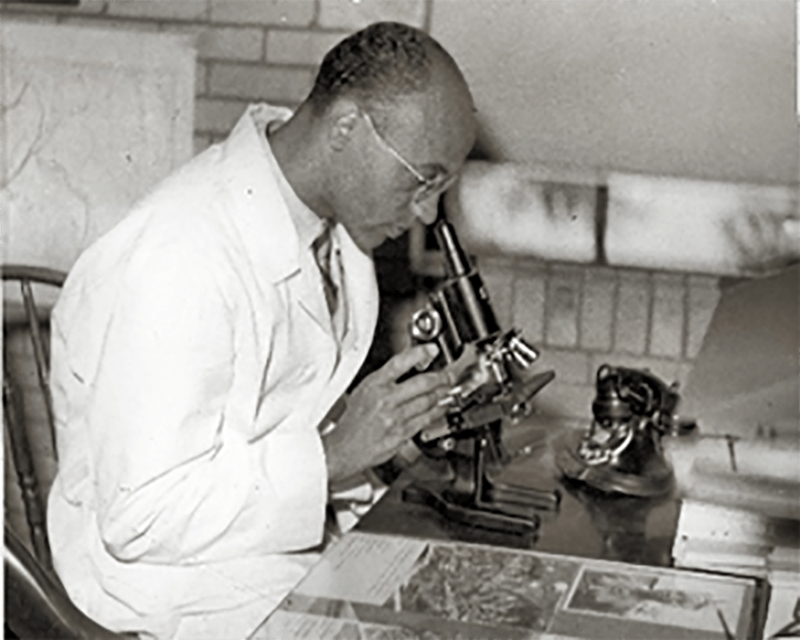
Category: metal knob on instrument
<point>426,325</point>
<point>522,353</point>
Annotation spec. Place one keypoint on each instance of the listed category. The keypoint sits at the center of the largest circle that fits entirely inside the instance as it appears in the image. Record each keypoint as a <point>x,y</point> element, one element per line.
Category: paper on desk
<point>734,541</point>
<point>294,625</point>
<point>387,562</point>
<point>448,590</point>
<point>770,496</point>
<point>288,624</point>
<point>758,475</point>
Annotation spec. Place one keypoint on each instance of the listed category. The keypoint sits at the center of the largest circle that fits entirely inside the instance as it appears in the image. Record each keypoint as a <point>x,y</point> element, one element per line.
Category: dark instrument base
<point>587,522</point>
<point>511,520</point>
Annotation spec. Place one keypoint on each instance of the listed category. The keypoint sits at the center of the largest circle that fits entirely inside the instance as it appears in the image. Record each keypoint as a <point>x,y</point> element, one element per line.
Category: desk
<point>588,523</point>
<point>404,572</point>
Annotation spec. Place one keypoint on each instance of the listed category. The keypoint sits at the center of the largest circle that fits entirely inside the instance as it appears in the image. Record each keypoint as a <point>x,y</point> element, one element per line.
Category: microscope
<point>497,386</point>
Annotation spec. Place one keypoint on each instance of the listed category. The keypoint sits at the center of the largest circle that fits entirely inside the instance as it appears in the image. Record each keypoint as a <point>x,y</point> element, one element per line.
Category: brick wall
<point>248,50</point>
<point>583,316</point>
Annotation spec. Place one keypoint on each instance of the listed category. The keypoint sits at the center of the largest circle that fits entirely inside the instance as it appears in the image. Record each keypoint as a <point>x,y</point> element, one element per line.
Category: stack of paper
<point>731,540</point>
<point>723,538</point>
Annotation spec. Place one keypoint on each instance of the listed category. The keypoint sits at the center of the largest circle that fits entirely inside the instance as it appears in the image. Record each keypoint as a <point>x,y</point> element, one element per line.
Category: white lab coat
<point>192,362</point>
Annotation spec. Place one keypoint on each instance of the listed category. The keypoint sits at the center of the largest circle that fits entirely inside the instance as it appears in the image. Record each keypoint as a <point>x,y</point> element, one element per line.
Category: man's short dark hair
<point>374,66</point>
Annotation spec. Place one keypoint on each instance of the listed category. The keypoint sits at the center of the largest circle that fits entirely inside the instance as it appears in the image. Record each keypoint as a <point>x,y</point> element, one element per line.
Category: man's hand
<point>383,414</point>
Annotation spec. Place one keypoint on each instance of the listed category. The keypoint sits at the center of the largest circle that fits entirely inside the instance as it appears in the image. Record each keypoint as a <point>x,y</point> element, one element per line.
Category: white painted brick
<point>215,116</point>
<point>200,79</point>
<point>233,43</point>
<point>85,7</point>
<point>286,13</point>
<point>245,44</point>
<point>597,308</point>
<point>251,82</point>
<point>498,280</point>
<point>352,15</point>
<point>110,24</point>
<point>89,6</point>
<point>563,304</point>
<point>33,17</point>
<point>684,371</point>
<point>667,320</point>
<point>571,367</point>
<point>159,9</point>
<point>529,301</point>
<point>703,297</point>
<point>631,315</point>
<point>565,400</point>
<point>300,47</point>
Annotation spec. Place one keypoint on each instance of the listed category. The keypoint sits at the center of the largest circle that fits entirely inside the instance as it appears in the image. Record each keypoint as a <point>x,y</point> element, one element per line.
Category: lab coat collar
<point>260,212</point>
<point>269,234</point>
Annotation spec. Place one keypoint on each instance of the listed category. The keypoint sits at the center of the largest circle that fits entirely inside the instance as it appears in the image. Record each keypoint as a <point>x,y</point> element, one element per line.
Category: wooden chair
<point>36,604</point>
<point>24,318</point>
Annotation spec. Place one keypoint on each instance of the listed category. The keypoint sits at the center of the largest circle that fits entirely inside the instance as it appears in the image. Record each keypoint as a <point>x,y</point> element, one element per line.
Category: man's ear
<point>343,121</point>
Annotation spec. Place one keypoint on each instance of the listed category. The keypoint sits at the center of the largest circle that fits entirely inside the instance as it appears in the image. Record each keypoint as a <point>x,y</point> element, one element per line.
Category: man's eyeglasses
<point>429,186</point>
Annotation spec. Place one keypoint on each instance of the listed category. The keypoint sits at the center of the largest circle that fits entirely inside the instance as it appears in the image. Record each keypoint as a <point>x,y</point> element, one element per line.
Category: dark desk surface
<point>587,524</point>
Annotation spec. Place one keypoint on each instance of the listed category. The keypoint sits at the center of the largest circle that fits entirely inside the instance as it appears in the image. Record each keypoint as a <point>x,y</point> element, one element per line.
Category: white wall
<point>703,89</point>
<point>92,118</point>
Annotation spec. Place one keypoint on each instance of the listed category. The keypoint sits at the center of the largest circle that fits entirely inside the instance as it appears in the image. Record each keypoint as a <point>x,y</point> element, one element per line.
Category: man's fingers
<point>419,357</point>
<point>435,384</point>
<point>419,405</point>
<point>424,422</point>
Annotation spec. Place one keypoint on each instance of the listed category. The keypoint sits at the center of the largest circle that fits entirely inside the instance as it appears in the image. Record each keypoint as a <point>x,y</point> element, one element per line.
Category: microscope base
<point>507,518</point>
<point>654,477</point>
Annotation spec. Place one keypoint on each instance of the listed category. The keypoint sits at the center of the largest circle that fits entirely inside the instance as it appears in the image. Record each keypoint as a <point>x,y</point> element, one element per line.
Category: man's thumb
<point>418,357</point>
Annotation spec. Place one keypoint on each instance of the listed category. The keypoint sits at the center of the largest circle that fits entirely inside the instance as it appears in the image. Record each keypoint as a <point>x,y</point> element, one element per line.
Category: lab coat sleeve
<point>178,479</point>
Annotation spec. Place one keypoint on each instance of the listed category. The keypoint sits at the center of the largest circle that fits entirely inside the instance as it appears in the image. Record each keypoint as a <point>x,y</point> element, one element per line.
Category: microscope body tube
<point>463,291</point>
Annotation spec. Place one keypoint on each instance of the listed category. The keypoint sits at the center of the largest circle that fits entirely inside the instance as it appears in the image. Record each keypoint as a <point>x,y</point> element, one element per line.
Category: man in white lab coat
<point>199,346</point>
